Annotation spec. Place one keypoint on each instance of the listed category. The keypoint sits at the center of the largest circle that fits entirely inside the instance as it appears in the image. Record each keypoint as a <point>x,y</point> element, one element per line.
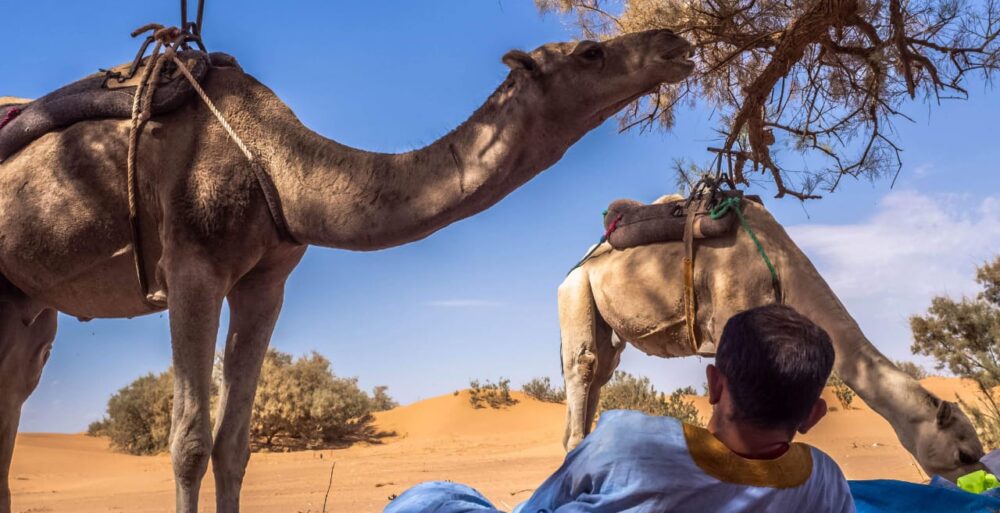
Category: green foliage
<point>138,417</point>
<point>913,370</point>
<point>845,396</point>
<point>542,389</point>
<point>964,338</point>
<point>494,395</point>
<point>627,392</point>
<point>381,401</point>
<point>299,404</point>
<point>302,404</point>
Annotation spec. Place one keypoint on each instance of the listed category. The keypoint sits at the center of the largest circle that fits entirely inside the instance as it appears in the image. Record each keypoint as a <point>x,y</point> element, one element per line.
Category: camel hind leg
<point>589,356</point>
<point>27,330</point>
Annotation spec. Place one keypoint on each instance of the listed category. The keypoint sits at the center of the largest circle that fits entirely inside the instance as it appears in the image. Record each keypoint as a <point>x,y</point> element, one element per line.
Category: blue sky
<point>477,299</point>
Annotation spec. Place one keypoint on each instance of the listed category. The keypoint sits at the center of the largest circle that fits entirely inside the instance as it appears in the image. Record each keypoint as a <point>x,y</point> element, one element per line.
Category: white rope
<point>211,107</point>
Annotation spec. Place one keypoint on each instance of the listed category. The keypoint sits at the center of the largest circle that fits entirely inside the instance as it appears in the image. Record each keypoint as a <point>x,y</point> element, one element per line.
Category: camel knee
<point>230,455</point>
<point>190,453</point>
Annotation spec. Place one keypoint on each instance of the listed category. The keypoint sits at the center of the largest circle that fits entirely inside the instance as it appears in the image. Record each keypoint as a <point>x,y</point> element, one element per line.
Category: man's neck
<point>750,441</point>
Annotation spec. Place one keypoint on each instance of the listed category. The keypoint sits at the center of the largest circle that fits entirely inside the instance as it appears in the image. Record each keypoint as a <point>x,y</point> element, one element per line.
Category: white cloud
<point>463,303</point>
<point>913,248</point>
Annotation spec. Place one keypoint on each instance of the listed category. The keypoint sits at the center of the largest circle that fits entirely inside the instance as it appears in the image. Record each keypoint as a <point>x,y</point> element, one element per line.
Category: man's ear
<point>716,384</point>
<point>815,415</point>
<point>516,59</point>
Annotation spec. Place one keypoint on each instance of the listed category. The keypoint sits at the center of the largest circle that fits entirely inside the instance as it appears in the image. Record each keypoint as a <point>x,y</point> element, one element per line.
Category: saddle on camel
<point>163,82</point>
<point>709,212</point>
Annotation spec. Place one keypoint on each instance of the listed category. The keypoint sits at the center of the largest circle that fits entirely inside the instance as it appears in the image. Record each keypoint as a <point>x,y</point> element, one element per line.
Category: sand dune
<point>503,453</point>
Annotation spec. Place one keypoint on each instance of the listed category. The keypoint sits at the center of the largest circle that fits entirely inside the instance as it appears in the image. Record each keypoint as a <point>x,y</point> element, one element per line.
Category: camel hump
<point>106,94</point>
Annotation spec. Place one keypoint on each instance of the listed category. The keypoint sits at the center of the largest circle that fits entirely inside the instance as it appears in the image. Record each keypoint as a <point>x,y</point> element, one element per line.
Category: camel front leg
<point>196,294</point>
<point>588,356</point>
<point>254,303</point>
<point>26,334</point>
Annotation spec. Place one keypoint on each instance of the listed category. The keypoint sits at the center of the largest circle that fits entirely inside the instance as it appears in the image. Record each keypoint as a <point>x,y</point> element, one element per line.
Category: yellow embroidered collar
<point>786,471</point>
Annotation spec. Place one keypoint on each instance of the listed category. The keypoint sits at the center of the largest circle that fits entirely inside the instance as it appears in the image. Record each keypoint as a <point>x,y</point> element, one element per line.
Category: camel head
<point>582,84</point>
<point>948,445</point>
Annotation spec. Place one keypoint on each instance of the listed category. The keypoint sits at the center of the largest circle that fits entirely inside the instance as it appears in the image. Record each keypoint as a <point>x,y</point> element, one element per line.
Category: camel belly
<point>64,232</point>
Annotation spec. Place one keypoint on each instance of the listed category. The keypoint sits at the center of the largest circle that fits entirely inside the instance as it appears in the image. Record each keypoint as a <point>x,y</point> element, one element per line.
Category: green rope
<point>733,203</point>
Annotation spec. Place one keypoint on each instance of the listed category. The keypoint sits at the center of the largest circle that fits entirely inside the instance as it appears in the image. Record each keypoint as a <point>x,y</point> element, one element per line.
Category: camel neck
<point>887,390</point>
<point>337,196</point>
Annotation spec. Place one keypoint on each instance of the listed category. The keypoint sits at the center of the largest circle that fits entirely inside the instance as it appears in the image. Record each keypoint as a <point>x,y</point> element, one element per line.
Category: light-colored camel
<point>65,239</point>
<point>637,294</point>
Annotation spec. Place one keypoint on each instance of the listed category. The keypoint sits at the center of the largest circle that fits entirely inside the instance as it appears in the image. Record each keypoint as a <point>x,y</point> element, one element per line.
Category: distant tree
<point>823,79</point>
<point>381,401</point>
<point>542,390</point>
<point>627,392</point>
<point>915,371</point>
<point>964,337</point>
<point>489,394</point>
<point>138,416</point>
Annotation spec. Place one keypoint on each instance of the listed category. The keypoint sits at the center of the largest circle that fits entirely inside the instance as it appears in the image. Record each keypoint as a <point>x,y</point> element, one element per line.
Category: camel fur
<point>636,295</point>
<point>65,239</point>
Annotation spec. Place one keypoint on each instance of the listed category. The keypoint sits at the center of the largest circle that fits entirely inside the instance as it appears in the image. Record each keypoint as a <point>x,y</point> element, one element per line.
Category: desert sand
<point>503,453</point>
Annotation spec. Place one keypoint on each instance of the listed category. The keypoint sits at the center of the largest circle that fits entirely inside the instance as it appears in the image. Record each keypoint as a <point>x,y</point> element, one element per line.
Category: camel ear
<point>516,59</point>
<point>945,414</point>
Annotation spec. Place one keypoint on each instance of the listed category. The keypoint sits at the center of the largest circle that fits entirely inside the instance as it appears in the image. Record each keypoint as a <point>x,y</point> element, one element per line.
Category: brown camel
<point>636,295</point>
<point>65,239</point>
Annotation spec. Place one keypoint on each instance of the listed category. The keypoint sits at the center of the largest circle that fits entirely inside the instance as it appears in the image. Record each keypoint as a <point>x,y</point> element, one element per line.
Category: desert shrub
<point>542,389</point>
<point>302,404</point>
<point>912,369</point>
<point>138,415</point>
<point>627,392</point>
<point>494,395</point>
<point>845,396</point>
<point>299,404</point>
<point>381,401</point>
<point>962,336</point>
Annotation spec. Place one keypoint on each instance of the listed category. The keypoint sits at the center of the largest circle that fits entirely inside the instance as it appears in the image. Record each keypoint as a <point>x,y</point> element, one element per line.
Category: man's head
<point>770,369</point>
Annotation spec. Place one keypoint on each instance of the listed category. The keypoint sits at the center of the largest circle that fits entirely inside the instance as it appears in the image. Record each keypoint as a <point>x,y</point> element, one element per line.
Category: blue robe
<point>635,463</point>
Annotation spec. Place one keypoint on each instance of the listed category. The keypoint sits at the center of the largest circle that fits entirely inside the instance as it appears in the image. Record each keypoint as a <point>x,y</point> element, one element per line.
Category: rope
<point>733,204</point>
<point>173,38</point>
<point>141,112</point>
<point>263,179</point>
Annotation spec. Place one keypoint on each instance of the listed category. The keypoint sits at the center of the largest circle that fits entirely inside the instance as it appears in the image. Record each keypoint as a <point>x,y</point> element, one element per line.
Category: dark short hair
<point>776,363</point>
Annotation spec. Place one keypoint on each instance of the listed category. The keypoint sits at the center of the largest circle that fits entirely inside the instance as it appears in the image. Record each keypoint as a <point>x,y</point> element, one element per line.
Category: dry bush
<point>299,404</point>
<point>494,395</point>
<point>845,396</point>
<point>912,369</point>
<point>817,84</point>
<point>627,392</point>
<point>542,390</point>
<point>138,416</point>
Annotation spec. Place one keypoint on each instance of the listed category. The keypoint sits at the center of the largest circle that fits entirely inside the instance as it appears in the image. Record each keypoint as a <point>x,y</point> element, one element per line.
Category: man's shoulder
<point>633,428</point>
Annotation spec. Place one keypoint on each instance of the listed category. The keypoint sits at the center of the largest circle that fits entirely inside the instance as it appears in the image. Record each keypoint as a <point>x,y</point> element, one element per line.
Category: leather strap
<point>689,299</point>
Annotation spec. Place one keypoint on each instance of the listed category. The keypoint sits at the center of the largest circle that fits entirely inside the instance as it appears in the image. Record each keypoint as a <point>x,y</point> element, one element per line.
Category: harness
<point>169,40</point>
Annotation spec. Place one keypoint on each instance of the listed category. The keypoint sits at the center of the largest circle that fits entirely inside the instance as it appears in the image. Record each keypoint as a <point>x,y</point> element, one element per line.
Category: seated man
<point>771,367</point>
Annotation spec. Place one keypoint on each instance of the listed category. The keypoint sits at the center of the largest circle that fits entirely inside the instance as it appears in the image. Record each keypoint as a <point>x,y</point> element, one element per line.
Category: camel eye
<point>593,53</point>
